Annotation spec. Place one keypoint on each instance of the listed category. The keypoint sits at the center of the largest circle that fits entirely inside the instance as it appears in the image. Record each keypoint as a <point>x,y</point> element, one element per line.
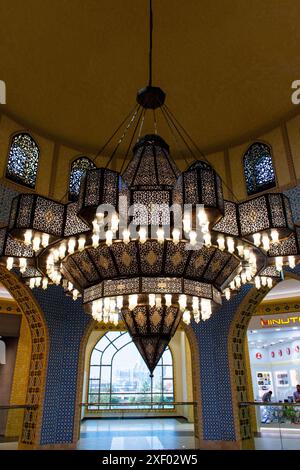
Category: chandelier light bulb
<point>70,286</point>
<point>109,237</point>
<point>275,236</point>
<point>176,235</point>
<point>94,309</point>
<point>246,253</point>
<point>207,239</point>
<point>257,282</point>
<point>182,302</point>
<point>160,235</point>
<point>100,217</point>
<point>202,217</point>
<point>23,265</point>
<point>9,263</point>
<point>279,263</point>
<point>44,283</point>
<point>151,300</point>
<point>126,236</point>
<point>205,228</point>
<point>238,281</point>
<point>240,249</point>
<point>81,242</point>
<point>193,237</point>
<point>158,301</point>
<point>55,255</point>
<point>62,250</point>
<point>95,226</point>
<point>38,281</point>
<point>168,300</point>
<point>270,282</point>
<point>187,224</point>
<point>266,242</point>
<point>32,282</point>
<point>58,278</point>
<point>244,277</point>
<point>133,301</point>
<point>142,234</point>
<point>112,304</point>
<point>205,309</point>
<point>45,239</point>
<point>28,237</point>
<point>114,223</point>
<point>257,239</point>
<point>221,242</point>
<point>75,294</point>
<point>197,317</point>
<point>195,305</point>
<point>95,240</point>
<point>115,318</point>
<point>252,259</point>
<point>71,245</point>
<point>119,302</point>
<point>227,293</point>
<point>292,262</point>
<point>230,244</point>
<point>106,305</point>
<point>36,244</point>
<point>186,317</point>
<point>263,281</point>
<point>232,285</point>
<point>248,275</point>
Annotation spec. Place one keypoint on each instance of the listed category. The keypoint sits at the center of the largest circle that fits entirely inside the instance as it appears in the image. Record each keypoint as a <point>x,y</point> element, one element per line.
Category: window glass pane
<point>101,345</point>
<point>258,168</point>
<point>93,386</point>
<point>23,160</point>
<point>78,170</point>
<point>128,377</point>
<point>96,357</point>
<point>94,372</point>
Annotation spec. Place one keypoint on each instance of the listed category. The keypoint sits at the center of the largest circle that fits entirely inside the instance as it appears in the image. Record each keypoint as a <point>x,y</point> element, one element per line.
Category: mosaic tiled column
<point>67,323</point>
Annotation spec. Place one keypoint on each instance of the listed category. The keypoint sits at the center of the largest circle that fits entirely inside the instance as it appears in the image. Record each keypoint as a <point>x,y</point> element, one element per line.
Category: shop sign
<point>280,321</point>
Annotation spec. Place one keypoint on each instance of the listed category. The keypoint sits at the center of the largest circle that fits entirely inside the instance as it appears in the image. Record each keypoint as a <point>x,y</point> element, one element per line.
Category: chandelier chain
<point>150,41</point>
<point>173,118</point>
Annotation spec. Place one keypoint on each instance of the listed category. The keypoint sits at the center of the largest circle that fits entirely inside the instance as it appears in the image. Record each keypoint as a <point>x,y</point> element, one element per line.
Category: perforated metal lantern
<point>150,176</point>
<point>266,212</point>
<point>201,185</point>
<point>37,213</point>
<point>151,329</point>
<point>99,186</point>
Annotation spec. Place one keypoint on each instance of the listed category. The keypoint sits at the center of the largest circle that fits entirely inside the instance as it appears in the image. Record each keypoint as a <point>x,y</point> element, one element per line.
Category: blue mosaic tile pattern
<point>66,324</point>
<point>6,197</point>
<point>212,336</point>
<point>294,197</point>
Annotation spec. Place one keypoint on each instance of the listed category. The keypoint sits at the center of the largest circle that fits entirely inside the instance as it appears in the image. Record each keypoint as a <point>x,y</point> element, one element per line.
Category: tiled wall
<point>66,322</point>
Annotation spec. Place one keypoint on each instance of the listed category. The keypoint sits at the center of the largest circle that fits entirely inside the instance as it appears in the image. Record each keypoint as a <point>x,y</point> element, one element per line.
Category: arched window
<point>23,160</point>
<point>78,169</point>
<point>118,376</point>
<point>258,168</point>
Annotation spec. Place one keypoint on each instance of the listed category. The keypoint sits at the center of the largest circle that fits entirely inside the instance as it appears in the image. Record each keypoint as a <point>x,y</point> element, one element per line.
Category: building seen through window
<point>118,376</point>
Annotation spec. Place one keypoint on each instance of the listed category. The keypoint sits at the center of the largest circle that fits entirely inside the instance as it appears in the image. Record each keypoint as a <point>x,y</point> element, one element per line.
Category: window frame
<point>13,179</point>
<point>120,407</point>
<point>266,187</point>
<point>71,197</point>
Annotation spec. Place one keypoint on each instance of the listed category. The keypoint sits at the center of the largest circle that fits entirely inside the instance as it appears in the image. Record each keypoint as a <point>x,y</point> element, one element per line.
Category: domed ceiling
<point>72,67</point>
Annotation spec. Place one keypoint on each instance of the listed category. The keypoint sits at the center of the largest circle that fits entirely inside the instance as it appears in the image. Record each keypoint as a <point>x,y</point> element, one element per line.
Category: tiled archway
<point>39,355</point>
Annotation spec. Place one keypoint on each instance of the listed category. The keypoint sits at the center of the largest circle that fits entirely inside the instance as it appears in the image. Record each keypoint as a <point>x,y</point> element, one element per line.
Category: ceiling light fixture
<point>151,244</point>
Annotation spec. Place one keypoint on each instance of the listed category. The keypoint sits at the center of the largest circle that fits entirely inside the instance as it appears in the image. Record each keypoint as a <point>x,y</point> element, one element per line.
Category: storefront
<point>274,353</point>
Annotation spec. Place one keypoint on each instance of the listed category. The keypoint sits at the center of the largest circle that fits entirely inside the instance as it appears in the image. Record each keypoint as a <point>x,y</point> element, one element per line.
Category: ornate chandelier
<point>150,244</point>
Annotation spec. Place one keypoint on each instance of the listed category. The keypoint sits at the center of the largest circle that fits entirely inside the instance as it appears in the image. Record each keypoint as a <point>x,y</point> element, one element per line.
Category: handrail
<point>14,407</point>
<point>267,403</point>
<point>141,403</point>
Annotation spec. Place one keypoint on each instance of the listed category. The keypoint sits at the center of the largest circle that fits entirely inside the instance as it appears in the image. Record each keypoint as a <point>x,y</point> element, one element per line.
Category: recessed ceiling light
<point>254,331</point>
<point>281,341</point>
<point>278,329</point>
<point>295,327</point>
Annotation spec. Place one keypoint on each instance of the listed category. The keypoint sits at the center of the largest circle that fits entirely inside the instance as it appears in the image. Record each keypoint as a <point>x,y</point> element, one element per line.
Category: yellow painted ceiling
<point>72,67</point>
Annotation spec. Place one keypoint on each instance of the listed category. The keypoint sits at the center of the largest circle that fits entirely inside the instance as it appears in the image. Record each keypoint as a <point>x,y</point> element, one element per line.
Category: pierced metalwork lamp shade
<point>151,329</point>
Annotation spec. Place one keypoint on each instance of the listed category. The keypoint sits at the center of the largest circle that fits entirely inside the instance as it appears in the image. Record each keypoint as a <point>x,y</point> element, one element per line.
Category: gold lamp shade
<point>151,329</point>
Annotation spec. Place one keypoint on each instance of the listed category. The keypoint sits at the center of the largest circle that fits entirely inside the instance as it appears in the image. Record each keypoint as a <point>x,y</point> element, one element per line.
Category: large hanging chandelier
<point>150,245</point>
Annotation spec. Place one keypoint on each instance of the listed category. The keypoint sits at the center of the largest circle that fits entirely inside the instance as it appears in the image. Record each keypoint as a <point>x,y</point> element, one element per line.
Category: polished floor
<point>135,434</point>
<point>275,439</point>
